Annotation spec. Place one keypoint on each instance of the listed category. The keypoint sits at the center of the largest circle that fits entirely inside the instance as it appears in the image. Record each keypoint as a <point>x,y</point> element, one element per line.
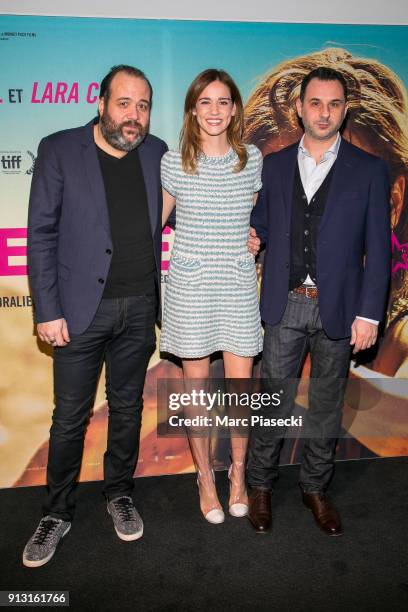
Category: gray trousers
<point>285,347</point>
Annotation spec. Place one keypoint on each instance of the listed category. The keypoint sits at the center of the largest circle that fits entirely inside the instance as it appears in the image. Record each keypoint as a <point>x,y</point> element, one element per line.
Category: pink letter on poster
<point>8,250</point>
<point>165,248</point>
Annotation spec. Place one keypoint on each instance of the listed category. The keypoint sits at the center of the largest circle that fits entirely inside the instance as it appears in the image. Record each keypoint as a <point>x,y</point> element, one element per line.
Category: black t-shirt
<point>132,270</point>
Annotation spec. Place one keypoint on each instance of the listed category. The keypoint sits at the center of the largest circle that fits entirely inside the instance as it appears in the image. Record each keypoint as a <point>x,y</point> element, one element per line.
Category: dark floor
<point>184,563</point>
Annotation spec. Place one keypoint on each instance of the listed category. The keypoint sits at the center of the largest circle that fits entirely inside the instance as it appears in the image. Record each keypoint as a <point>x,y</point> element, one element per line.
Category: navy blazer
<point>354,241</point>
<point>69,240</point>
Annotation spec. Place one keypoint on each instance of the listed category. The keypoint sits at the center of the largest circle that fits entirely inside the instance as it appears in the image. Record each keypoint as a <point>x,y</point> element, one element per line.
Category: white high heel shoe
<point>237,509</point>
<point>215,515</point>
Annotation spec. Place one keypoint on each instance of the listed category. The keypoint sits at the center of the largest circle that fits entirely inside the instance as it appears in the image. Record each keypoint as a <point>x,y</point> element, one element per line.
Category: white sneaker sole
<point>128,537</point>
<point>40,562</point>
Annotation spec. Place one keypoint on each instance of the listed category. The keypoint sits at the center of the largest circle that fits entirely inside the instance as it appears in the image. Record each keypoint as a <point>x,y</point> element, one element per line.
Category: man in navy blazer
<point>94,247</point>
<point>323,214</point>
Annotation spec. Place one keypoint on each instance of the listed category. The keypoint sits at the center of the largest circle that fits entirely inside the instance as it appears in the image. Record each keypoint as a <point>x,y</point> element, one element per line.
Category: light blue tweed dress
<point>211,298</point>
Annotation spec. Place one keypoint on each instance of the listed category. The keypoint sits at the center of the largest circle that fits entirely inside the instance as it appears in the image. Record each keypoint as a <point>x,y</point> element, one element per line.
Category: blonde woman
<point>211,301</point>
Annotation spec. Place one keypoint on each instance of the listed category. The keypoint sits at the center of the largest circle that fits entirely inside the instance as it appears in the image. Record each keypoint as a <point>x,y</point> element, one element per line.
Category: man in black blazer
<point>94,245</point>
<point>323,214</point>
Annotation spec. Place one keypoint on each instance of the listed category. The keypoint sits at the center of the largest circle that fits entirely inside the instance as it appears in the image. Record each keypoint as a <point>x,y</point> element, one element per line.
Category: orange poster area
<point>26,400</point>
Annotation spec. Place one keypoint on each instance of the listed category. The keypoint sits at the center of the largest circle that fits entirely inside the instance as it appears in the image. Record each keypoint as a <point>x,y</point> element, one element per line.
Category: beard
<point>113,133</point>
<point>332,129</point>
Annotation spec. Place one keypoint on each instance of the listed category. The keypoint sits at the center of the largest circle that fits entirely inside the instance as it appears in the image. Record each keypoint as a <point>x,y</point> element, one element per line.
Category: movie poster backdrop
<point>49,80</point>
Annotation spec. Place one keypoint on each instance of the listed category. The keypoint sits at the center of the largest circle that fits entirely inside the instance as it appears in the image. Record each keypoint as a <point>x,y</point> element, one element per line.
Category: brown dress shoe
<point>325,514</point>
<point>259,510</point>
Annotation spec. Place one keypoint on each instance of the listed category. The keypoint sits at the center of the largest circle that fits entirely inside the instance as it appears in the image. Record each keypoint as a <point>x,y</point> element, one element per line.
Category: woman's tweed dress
<point>211,299</point>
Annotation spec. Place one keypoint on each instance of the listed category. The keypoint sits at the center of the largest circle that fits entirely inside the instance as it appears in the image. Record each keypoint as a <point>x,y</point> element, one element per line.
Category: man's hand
<point>253,242</point>
<point>54,332</point>
<point>363,335</point>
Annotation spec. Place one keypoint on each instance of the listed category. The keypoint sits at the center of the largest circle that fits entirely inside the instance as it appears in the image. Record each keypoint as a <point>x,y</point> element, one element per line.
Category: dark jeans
<point>122,335</point>
<point>285,347</point>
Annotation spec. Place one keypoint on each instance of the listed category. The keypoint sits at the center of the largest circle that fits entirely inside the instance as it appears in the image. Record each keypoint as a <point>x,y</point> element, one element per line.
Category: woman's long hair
<point>190,140</point>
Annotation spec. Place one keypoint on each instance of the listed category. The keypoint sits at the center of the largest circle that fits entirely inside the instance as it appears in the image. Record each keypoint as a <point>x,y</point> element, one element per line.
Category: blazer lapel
<point>151,183</point>
<point>94,175</point>
<point>287,177</point>
<point>343,171</point>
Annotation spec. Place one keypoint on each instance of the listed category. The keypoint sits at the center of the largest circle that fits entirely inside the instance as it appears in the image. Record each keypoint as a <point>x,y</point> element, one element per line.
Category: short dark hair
<point>323,74</point>
<point>104,90</point>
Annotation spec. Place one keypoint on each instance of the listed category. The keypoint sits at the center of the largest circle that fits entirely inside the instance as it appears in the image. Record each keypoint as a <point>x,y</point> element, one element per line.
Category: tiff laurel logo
<point>13,162</point>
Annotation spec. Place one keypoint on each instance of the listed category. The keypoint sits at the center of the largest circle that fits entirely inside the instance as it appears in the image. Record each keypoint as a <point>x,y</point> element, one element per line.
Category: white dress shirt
<point>312,175</point>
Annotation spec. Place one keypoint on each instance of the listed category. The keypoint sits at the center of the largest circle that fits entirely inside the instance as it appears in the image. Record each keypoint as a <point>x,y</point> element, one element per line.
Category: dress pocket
<point>245,273</point>
<point>185,271</point>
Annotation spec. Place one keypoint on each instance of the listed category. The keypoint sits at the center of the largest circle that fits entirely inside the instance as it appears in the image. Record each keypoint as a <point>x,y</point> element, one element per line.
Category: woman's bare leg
<point>199,437</point>
<point>238,367</point>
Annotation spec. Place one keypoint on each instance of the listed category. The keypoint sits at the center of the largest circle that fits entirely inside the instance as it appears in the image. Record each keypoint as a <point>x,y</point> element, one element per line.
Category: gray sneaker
<point>126,519</point>
<point>41,546</point>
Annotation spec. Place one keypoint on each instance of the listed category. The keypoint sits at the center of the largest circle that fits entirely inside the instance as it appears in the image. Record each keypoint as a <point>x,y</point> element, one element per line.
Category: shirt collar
<point>333,150</point>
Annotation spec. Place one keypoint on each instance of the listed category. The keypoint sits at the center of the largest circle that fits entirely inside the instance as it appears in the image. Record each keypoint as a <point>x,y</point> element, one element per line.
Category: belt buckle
<point>311,292</point>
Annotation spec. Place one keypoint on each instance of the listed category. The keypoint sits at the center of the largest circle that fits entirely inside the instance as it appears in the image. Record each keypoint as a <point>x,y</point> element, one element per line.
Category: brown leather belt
<point>309,292</point>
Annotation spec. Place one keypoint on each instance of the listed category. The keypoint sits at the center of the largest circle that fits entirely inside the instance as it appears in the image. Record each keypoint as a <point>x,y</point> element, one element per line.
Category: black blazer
<point>69,240</point>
